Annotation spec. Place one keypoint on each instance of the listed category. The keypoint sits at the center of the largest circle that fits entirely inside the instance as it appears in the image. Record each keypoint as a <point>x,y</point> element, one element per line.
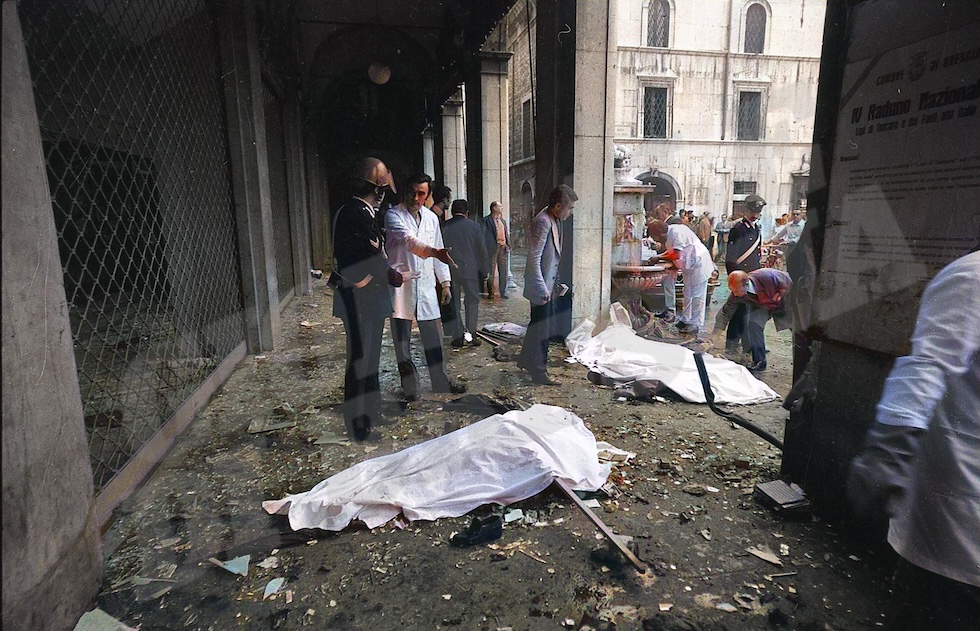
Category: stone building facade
<point>714,98</point>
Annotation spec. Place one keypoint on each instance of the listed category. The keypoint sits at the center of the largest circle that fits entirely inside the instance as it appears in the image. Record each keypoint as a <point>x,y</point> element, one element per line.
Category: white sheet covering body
<point>503,459</point>
<point>619,353</point>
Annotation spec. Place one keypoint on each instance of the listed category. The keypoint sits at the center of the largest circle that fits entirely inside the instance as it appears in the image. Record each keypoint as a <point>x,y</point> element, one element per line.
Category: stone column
<point>595,112</point>
<point>428,152</point>
<point>454,145</point>
<point>241,73</point>
<point>52,560</point>
<point>495,128</point>
<point>298,200</point>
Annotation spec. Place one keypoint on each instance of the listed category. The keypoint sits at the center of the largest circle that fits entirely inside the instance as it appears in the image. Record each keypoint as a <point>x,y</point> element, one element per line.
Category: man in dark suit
<point>361,297</point>
<point>498,247</point>
<point>541,284</point>
<point>744,254</point>
<point>465,238</point>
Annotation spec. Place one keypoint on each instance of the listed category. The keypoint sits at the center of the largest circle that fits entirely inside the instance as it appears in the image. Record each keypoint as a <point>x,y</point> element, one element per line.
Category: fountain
<point>630,278</point>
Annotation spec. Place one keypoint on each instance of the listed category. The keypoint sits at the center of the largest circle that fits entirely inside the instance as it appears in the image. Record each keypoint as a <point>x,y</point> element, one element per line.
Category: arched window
<point>755,29</point>
<point>658,23</point>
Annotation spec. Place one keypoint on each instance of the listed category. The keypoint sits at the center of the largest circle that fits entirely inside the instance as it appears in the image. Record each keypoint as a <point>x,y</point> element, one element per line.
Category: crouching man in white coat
<point>414,241</point>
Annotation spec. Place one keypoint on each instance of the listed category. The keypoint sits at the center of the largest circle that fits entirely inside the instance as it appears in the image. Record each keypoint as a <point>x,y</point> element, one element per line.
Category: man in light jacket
<point>541,284</point>
<point>414,242</point>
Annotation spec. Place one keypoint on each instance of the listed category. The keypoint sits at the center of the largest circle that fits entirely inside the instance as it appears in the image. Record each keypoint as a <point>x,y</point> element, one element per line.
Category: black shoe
<point>450,388</point>
<point>411,397</point>
<point>474,342</point>
<point>479,531</point>
<point>362,428</point>
<point>505,296</point>
<point>457,343</point>
<point>758,366</point>
<point>684,327</point>
<point>542,379</point>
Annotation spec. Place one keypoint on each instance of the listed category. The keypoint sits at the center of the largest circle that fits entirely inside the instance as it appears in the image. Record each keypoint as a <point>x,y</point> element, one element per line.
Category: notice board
<point>904,189</point>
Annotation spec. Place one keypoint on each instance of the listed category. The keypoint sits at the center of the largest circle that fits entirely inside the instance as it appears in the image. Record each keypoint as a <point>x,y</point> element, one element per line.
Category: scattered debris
<point>269,563</point>
<point>238,565</point>
<point>616,541</point>
<point>513,515</point>
<point>787,499</point>
<point>332,438</point>
<point>764,553</point>
<point>98,620</point>
<point>309,324</point>
<point>273,587</point>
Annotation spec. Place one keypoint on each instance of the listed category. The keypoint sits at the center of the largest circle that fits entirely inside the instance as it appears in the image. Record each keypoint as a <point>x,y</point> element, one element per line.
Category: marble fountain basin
<point>638,278</point>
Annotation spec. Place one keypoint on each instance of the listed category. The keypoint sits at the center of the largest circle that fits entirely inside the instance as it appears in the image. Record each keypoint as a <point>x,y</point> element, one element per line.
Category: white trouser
<point>694,299</point>
<point>670,292</point>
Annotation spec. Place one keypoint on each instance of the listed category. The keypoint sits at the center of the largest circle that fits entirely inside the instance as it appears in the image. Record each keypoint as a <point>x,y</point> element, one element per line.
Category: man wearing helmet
<point>361,299</point>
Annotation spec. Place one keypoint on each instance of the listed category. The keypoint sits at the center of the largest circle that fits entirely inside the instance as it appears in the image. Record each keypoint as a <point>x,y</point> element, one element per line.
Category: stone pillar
<point>454,145</point>
<point>554,128</point>
<point>595,112</point>
<point>428,152</point>
<point>298,200</point>
<point>52,561</point>
<point>495,129</point>
<point>241,73</point>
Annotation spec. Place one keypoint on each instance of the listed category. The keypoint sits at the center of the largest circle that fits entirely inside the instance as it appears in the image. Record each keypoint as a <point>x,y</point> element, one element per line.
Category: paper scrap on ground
<point>98,620</point>
<point>273,587</point>
<point>502,459</point>
<point>619,353</point>
<point>238,565</point>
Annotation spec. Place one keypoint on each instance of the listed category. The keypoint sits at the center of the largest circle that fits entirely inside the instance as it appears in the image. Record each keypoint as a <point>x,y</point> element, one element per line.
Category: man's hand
<point>443,255</point>
<point>717,338</point>
<point>402,274</point>
<point>445,294</point>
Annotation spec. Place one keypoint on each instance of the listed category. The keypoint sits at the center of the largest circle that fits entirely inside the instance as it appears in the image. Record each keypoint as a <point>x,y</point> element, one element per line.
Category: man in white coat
<point>414,242</point>
<point>691,258</point>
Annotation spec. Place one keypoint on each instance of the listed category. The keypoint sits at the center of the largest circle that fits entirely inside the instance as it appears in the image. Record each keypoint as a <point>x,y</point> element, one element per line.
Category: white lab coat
<point>415,299</point>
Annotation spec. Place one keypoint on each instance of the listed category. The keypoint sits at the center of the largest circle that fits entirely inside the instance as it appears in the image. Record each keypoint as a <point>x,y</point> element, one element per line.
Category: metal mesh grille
<point>655,112</point>
<point>658,23</point>
<point>755,29</point>
<point>278,191</point>
<point>130,108</point>
<point>749,115</point>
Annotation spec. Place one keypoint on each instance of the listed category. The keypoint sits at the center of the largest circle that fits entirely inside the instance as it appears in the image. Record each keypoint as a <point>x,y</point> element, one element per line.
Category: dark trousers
<point>431,333</point>
<point>925,601</point>
<point>470,290</point>
<point>755,326</point>
<point>534,352</point>
<point>362,389</point>
<point>737,329</point>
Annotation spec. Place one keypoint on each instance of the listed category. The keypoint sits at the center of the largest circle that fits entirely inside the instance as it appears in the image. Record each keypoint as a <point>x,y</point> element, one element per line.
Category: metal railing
<point>129,99</point>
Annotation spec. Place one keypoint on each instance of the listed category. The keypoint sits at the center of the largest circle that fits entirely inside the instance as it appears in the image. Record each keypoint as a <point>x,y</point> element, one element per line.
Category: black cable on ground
<point>731,416</point>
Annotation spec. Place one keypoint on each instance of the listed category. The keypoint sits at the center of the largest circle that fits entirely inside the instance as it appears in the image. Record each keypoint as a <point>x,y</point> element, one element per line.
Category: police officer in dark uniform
<point>744,253</point>
<point>361,296</point>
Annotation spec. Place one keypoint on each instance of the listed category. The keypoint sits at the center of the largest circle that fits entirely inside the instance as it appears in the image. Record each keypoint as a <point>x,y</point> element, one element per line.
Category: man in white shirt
<point>691,258</point>
<point>788,235</point>
<point>920,466</point>
<point>414,242</point>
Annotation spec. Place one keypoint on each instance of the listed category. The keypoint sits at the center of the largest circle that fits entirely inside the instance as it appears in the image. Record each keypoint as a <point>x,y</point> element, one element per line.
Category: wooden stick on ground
<point>487,338</point>
<point>637,563</point>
